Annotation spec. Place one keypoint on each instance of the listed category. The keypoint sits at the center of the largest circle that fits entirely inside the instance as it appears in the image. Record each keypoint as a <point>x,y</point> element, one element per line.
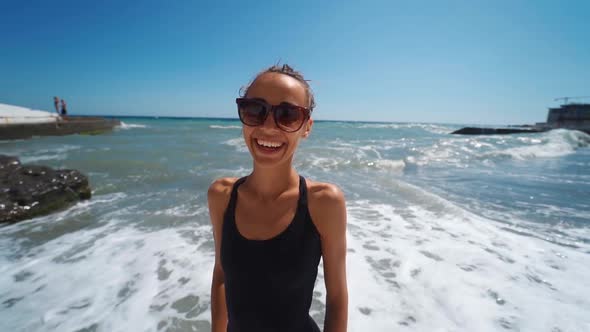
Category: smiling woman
<point>272,227</point>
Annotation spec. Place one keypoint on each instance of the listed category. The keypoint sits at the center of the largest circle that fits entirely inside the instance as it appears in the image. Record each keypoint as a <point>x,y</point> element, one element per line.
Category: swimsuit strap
<point>231,206</point>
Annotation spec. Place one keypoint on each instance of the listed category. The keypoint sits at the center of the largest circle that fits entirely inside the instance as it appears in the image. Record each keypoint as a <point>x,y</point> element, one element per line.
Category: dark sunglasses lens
<point>252,113</point>
<point>289,118</point>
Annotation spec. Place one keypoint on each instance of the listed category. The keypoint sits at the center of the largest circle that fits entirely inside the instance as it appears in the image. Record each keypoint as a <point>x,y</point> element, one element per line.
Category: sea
<point>444,232</point>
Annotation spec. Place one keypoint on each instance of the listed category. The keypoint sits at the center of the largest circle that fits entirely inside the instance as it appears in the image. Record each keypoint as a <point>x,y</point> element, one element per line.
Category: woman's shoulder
<point>222,185</point>
<point>323,191</point>
<point>326,204</point>
<point>220,191</point>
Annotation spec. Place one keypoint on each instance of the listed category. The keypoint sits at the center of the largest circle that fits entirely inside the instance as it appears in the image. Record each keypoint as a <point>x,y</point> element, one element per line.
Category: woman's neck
<point>270,183</point>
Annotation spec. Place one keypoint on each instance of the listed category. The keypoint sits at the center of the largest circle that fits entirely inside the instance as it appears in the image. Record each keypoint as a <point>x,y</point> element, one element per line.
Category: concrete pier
<point>65,125</point>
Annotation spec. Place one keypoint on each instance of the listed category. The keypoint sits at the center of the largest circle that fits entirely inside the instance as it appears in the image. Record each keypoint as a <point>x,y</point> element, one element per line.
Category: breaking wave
<point>555,143</point>
<point>463,151</point>
<point>224,127</point>
<point>131,125</point>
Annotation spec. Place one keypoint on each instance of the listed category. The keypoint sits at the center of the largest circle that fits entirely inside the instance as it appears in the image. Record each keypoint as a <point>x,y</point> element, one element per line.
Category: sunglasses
<point>288,117</point>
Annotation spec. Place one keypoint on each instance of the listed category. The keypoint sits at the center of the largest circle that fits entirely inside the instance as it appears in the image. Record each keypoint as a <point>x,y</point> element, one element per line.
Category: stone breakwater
<point>27,191</point>
<point>496,131</point>
<point>62,126</point>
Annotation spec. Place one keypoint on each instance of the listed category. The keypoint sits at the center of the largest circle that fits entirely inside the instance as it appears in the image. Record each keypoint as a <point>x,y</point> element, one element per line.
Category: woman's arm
<point>328,210</point>
<point>218,307</point>
<point>218,197</point>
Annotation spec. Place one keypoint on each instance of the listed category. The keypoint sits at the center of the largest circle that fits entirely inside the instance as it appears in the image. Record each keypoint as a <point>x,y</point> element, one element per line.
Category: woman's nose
<point>269,123</point>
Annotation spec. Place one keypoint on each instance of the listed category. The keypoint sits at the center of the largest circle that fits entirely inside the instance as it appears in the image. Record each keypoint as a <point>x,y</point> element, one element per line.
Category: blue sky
<point>482,62</point>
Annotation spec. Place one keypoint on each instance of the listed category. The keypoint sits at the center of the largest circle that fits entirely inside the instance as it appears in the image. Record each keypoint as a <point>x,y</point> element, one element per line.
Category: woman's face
<point>269,145</point>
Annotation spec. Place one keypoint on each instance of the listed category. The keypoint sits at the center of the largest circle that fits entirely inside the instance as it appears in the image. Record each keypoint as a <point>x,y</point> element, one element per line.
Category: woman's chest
<point>292,256</point>
<point>256,221</point>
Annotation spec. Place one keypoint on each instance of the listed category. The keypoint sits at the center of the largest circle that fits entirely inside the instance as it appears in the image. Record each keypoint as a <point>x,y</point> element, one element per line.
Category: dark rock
<point>493,131</point>
<point>28,191</point>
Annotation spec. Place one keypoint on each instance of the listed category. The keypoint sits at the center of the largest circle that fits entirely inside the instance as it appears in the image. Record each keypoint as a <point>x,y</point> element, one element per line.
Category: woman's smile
<point>268,143</point>
<point>268,146</point>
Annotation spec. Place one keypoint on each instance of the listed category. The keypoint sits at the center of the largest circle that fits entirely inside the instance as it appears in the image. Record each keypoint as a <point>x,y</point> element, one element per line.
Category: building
<point>574,116</point>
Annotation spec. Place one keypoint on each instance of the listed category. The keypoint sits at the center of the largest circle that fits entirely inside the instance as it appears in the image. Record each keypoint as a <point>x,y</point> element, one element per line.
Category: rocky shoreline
<point>28,191</point>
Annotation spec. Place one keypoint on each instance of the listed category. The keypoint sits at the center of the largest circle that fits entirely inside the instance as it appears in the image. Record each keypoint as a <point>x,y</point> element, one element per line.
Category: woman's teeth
<point>268,144</point>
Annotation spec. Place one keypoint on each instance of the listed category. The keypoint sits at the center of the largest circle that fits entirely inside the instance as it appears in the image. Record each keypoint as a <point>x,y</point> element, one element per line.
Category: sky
<point>462,62</point>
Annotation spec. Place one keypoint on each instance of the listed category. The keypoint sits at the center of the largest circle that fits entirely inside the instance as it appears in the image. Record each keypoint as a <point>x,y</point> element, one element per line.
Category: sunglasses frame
<point>271,109</point>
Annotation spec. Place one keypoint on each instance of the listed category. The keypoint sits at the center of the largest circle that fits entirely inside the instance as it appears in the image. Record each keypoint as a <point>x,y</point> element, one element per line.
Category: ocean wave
<point>182,210</point>
<point>131,125</point>
<point>54,153</point>
<point>332,163</point>
<point>143,278</point>
<point>392,165</point>
<point>40,223</point>
<point>34,159</point>
<point>224,127</point>
<point>379,126</point>
<point>464,151</point>
<point>432,128</point>
<point>555,143</point>
<point>238,143</point>
<point>60,149</point>
<point>426,252</point>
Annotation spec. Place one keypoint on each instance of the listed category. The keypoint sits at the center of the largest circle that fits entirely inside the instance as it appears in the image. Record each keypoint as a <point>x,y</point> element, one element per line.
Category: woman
<point>271,227</point>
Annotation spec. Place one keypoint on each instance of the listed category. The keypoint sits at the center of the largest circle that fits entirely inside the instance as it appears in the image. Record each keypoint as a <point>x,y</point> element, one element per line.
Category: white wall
<point>10,114</point>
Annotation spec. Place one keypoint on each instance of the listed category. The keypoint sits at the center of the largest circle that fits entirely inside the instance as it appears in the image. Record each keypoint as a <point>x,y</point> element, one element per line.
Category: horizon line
<point>238,119</point>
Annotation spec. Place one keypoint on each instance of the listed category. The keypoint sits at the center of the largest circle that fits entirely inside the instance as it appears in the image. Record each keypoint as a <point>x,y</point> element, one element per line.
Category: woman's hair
<point>286,70</point>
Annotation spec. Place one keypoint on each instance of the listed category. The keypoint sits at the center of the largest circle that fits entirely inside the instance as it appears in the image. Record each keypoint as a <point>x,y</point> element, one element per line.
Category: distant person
<point>56,104</point>
<point>64,108</point>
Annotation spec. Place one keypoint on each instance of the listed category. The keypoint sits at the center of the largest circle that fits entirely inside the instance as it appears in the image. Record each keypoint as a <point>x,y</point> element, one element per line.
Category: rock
<point>27,191</point>
<point>494,131</point>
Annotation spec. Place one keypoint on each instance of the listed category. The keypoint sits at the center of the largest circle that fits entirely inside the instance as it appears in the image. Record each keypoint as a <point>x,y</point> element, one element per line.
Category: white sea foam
<point>73,211</point>
<point>555,143</point>
<point>393,165</point>
<point>380,126</point>
<point>462,151</point>
<point>238,143</point>
<point>438,129</point>
<point>224,127</point>
<point>435,267</point>
<point>126,280</point>
<point>56,153</point>
<point>111,280</point>
<point>183,210</point>
<point>131,125</point>
<point>34,159</point>
<point>433,128</point>
<point>446,151</point>
<point>354,162</point>
<point>60,149</point>
<point>423,264</point>
<point>355,155</point>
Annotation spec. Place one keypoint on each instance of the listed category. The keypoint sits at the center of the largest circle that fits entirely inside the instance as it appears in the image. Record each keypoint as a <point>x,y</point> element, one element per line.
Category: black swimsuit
<point>269,283</point>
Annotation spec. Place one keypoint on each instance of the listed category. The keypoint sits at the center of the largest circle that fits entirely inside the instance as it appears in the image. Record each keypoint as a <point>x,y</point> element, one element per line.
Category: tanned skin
<point>268,200</point>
